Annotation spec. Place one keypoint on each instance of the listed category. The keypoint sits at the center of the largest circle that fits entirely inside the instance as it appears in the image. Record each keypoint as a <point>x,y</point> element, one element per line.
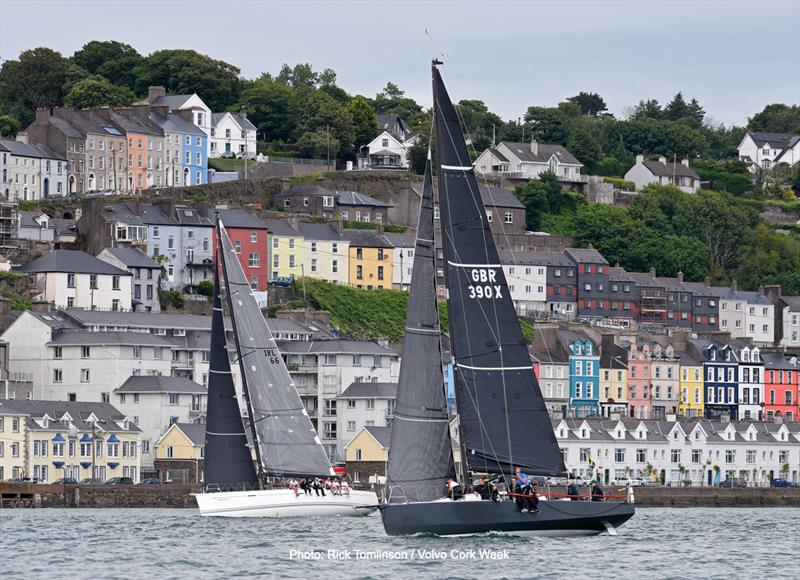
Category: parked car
<point>783,483</point>
<point>120,481</point>
<point>733,482</point>
<point>150,481</point>
<point>282,282</point>
<point>91,481</point>
<point>65,481</point>
<point>630,481</point>
<point>228,155</point>
<point>22,480</point>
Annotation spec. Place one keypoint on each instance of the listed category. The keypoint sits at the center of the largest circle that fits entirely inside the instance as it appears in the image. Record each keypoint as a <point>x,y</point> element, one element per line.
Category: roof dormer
<point>670,351</point>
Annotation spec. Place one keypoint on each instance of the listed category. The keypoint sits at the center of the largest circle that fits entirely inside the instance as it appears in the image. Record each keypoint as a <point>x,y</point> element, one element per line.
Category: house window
<point>619,455</point>
<point>351,426</point>
<point>174,398</point>
<point>384,143</point>
<point>70,280</point>
<point>85,377</point>
<point>58,375</point>
<point>509,217</point>
<point>86,352</point>
<point>675,456</point>
<point>253,259</point>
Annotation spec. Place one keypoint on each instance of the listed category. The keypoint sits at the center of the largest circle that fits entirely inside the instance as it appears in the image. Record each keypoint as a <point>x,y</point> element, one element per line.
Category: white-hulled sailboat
<point>285,442</point>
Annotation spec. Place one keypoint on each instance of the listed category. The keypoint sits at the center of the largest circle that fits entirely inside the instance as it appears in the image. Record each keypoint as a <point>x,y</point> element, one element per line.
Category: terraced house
<point>781,386</point>
<point>584,375</point>
<point>286,253</point>
<point>691,387</point>
<point>325,251</point>
<point>370,260</point>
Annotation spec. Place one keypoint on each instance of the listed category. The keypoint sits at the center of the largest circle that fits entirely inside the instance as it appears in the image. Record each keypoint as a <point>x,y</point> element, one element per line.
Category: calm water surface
<point>157,543</point>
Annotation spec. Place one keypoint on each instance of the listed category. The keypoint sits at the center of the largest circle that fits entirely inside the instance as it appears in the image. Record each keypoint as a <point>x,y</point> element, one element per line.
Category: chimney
<point>639,159</point>
<point>41,306</point>
<point>140,111</point>
<point>653,272</point>
<point>685,162</point>
<point>707,282</point>
<point>133,205</point>
<point>154,92</point>
<point>64,113</point>
<point>338,225</point>
<point>733,286</point>
<point>42,115</point>
<point>773,292</point>
<point>162,110</point>
<point>534,146</point>
<point>243,113</point>
<point>606,341</point>
<point>662,159</point>
<point>761,291</point>
<point>680,277</point>
<point>5,307</point>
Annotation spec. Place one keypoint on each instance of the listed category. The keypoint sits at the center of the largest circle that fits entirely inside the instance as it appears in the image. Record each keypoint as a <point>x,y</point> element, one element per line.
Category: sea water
<point>177,543</point>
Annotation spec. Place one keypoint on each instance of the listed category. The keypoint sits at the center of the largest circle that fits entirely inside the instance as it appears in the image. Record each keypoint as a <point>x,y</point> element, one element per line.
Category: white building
<point>325,253</point>
<point>402,259</point>
<point>529,160</point>
<point>751,384</point>
<point>766,150</point>
<point>645,171</point>
<point>232,133</point>
<point>35,225</point>
<point>74,279</point>
<point>748,315</point>
<point>31,172</point>
<point>701,452</point>
<point>526,275</point>
<point>790,318</point>
<point>364,404</point>
<point>154,403</point>
<point>200,113</point>
<point>322,369</point>
<point>386,151</point>
<point>145,272</point>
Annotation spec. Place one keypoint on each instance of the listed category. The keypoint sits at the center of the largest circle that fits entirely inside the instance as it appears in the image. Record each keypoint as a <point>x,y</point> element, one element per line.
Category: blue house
<point>195,157</point>
<point>185,150</point>
<point>584,376</point>
<point>721,381</point>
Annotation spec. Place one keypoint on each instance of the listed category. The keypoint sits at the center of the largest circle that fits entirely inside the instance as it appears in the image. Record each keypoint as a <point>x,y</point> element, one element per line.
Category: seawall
<point>179,496</point>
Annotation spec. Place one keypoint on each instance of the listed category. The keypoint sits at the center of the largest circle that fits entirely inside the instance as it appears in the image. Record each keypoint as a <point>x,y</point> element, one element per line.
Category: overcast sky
<point>734,57</point>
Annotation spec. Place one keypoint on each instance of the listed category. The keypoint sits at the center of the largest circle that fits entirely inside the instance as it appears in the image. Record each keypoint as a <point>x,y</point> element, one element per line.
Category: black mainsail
<point>228,460</point>
<point>503,416</point>
<point>420,456</point>
<point>286,439</point>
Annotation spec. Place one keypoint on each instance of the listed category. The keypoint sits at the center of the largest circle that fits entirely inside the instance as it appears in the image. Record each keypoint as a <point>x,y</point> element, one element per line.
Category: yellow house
<point>180,453</point>
<point>614,386</point>
<point>78,440</point>
<point>367,452</point>
<point>325,252</point>
<point>12,442</point>
<point>691,388</point>
<point>370,259</point>
<point>285,250</point>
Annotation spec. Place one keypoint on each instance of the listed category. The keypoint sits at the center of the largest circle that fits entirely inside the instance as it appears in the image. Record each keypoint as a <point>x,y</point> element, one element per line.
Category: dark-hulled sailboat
<point>285,442</point>
<point>503,419</point>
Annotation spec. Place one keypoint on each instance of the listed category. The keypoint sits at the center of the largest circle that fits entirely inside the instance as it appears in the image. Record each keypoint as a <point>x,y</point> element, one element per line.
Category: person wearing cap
<point>597,492</point>
<point>523,494</point>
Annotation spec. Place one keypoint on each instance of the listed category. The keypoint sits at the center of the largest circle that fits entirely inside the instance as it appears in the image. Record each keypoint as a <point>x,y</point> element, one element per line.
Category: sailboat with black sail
<point>504,423</point>
<point>284,440</point>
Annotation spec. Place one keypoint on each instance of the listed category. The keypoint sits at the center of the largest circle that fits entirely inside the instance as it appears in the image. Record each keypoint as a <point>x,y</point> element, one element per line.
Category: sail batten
<point>420,418</point>
<point>286,439</point>
<point>503,417</point>
<point>228,462</point>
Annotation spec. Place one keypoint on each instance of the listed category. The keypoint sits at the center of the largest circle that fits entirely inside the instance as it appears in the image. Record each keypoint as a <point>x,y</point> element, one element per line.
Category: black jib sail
<point>228,460</point>
<point>502,412</point>
<point>287,442</point>
<point>420,456</point>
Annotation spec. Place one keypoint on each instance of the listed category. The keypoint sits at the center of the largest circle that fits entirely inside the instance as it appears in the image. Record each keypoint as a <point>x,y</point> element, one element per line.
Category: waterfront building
<point>325,252</point>
<point>584,375</point>
<point>787,310</point>
<point>179,453</point>
<point>73,439</point>
<point>74,279</point>
<point>286,255</point>
<point>154,403</point>
<point>751,384</point>
<point>781,386</point>
<point>664,382</point>
<point>370,260</point>
<point>364,404</point>
<point>720,372</point>
<point>12,442</point>
<point>551,364</point>
<point>367,452</point>
<point>248,234</point>
<point>639,404</point>
<point>691,400</point>
<point>145,272</point>
<point>613,378</point>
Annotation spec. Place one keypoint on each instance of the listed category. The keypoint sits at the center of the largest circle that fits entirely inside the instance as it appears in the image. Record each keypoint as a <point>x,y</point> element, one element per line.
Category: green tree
<point>9,126</point>
<point>677,108</point>
<point>113,60</point>
<point>649,109</point>
<point>548,124</point>
<point>300,76</point>
<point>183,71</point>
<point>316,144</point>
<point>776,118</point>
<point>590,104</point>
<point>585,147</point>
<point>393,100</point>
<point>272,107</point>
<point>321,112</point>
<point>364,121</point>
<point>696,114</point>
<point>480,123</point>
<point>98,92</point>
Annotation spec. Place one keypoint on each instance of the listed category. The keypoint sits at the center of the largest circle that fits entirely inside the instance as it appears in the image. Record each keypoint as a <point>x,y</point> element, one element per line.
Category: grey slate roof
<point>750,297</point>
<point>793,302</point>
<point>196,432</point>
<point>497,154</point>
<point>109,339</point>
<point>407,240</point>
<point>128,123</point>
<point>617,274</point>
<point>139,319</point>
<point>191,217</point>
<point>778,140</point>
<point>176,124</point>
<point>26,219</point>
<point>153,215</point>
<point>133,258</point>
<point>106,413</point>
<point>365,238</point>
<point>385,153</point>
<point>66,128</point>
<point>20,149</point>
<point>534,258</point>
<point>544,153</point>
<point>777,361</point>
<point>239,218</point>
<point>586,255</point>
<point>336,347</point>
<point>312,231</point>
<point>383,435</point>
<point>70,261</point>
<point>355,198</point>
<point>305,191</point>
<point>280,228</point>
<point>370,391</point>
<point>172,101</point>
<point>63,227</point>
<point>160,384</point>
<point>244,122</point>
<point>669,169</point>
<point>498,197</point>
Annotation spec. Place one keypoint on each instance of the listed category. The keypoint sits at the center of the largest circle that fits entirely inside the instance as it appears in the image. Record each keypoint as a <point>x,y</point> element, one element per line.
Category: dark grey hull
<point>452,518</point>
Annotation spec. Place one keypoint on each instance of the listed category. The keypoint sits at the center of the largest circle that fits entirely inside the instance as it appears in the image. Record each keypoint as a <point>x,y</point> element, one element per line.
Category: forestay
<point>420,455</point>
<point>287,442</point>
<point>503,415</point>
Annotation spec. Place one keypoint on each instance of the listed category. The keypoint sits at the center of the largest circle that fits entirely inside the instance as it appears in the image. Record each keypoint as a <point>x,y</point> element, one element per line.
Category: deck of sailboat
<point>282,503</point>
<point>457,518</point>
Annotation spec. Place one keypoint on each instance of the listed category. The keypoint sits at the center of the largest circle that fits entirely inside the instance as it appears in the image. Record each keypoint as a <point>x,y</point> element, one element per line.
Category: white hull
<point>283,503</point>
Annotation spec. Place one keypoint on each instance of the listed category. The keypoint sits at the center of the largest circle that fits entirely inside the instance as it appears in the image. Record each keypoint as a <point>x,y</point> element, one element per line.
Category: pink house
<point>639,382</point>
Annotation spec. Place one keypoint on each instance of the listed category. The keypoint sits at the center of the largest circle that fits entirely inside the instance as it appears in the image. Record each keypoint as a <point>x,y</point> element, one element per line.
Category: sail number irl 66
<point>485,284</point>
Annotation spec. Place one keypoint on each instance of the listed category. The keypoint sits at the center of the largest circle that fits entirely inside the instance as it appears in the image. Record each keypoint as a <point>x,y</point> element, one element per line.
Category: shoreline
<point>178,496</point>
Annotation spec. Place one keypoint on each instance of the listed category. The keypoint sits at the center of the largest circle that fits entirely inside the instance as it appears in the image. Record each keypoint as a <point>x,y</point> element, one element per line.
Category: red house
<point>248,234</point>
<point>781,387</point>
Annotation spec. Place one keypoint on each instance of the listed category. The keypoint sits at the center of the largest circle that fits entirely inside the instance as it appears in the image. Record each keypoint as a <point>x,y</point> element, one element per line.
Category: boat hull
<point>457,518</point>
<point>283,503</point>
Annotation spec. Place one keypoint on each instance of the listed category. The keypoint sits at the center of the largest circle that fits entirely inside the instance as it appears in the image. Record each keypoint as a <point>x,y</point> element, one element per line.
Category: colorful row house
<point>691,402</point>
<point>781,386</point>
<point>584,376</point>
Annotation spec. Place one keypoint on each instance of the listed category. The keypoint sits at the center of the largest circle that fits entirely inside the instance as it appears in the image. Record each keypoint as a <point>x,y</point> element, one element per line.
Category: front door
<point>227,147</point>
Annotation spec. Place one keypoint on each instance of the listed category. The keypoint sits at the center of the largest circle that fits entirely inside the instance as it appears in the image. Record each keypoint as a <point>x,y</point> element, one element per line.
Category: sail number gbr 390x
<point>484,284</point>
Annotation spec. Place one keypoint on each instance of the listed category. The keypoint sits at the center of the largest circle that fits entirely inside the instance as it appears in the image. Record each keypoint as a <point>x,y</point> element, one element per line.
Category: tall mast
<point>245,391</point>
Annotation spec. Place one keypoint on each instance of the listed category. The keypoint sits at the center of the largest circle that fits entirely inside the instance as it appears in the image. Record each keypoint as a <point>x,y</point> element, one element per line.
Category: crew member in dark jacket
<point>572,491</point>
<point>597,492</point>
